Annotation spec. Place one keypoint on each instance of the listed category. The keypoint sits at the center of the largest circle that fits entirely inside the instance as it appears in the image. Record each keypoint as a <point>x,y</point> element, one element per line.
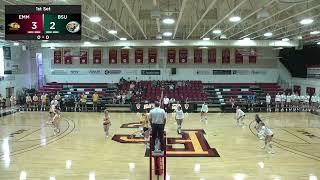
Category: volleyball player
<point>83,101</point>
<point>28,102</point>
<point>204,112</point>
<point>258,126</point>
<point>277,100</point>
<point>268,102</point>
<point>146,130</point>
<point>232,102</point>
<point>13,102</point>
<point>2,102</point>
<point>268,134</point>
<point>95,99</point>
<point>179,118</point>
<point>283,98</point>
<point>35,102</point>
<point>288,103</point>
<point>106,123</point>
<point>43,102</point>
<point>313,102</point>
<point>307,103</point>
<point>56,120</point>
<point>240,116</point>
<point>295,99</point>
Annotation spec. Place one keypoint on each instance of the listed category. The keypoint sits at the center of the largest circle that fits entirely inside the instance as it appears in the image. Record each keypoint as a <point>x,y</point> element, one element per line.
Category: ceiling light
<point>223,36</point>
<point>217,31</point>
<point>285,39</point>
<point>123,39</point>
<point>203,47</point>
<point>95,19</point>
<point>318,43</point>
<point>16,44</point>
<point>268,34</point>
<point>167,34</point>
<point>126,47</point>
<point>206,39</point>
<point>246,39</point>
<point>87,43</point>
<point>234,19</point>
<point>306,21</point>
<point>168,20</point>
<point>314,32</point>
<point>113,32</point>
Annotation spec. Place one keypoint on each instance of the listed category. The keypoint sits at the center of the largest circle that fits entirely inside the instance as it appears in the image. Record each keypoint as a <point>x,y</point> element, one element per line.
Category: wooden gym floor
<point>29,150</point>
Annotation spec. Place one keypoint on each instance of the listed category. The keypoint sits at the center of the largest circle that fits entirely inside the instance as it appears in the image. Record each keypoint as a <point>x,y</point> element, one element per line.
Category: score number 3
<point>52,25</point>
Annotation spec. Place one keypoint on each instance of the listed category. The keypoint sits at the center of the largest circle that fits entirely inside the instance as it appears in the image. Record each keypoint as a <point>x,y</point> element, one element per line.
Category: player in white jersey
<point>268,134</point>
<point>277,100</point>
<point>204,112</point>
<point>179,118</point>
<point>240,116</point>
<point>268,102</point>
<point>295,100</point>
<point>283,101</point>
<point>288,103</point>
<point>314,102</point>
<point>307,102</point>
<point>318,103</point>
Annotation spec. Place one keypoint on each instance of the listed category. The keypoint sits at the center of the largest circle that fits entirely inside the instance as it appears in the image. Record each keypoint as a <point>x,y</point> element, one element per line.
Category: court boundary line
<point>60,136</point>
<point>286,148</point>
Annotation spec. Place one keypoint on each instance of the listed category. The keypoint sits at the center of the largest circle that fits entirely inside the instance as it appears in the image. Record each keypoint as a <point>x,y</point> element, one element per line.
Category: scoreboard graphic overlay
<point>41,22</point>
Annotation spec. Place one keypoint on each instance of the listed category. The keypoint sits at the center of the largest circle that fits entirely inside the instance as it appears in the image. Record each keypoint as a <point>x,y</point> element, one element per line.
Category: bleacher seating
<point>220,93</point>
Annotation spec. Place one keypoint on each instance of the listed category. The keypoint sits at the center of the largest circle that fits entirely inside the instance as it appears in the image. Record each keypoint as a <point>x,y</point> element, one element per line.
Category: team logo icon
<point>73,26</point>
<point>138,106</point>
<point>186,106</point>
<point>14,26</point>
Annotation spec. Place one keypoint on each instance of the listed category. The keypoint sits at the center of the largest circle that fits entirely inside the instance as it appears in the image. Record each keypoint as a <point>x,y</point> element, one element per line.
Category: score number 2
<point>52,25</point>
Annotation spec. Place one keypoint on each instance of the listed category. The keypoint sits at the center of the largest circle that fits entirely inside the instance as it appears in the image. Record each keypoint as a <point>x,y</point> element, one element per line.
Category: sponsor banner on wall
<point>7,60</point>
<point>15,68</point>
<point>138,56</point>
<point>9,77</point>
<point>97,56</point>
<point>257,72</point>
<point>183,55</point>
<point>112,71</point>
<point>313,72</point>
<point>150,72</point>
<point>241,72</point>
<point>57,56</point>
<point>58,72</point>
<point>221,72</point>
<point>203,72</point>
<point>131,72</point>
<point>152,53</point>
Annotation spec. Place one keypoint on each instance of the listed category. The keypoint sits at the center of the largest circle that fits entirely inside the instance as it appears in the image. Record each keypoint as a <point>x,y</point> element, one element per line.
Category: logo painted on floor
<point>192,142</point>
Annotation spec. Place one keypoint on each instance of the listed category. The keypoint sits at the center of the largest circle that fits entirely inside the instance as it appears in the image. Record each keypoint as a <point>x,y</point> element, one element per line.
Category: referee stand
<point>160,161</point>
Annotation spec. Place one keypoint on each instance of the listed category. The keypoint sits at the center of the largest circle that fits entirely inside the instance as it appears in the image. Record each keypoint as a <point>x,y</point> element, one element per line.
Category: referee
<point>157,119</point>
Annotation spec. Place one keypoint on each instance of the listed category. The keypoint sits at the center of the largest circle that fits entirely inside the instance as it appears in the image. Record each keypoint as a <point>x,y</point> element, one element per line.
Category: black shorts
<point>145,129</point>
